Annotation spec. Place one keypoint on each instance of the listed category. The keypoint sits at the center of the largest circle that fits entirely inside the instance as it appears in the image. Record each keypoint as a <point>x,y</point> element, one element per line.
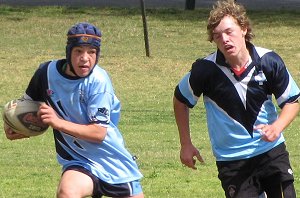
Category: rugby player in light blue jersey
<point>84,112</point>
<point>237,83</point>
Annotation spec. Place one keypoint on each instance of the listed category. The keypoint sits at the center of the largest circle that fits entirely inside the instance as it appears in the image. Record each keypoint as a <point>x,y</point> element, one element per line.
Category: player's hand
<point>189,155</point>
<point>269,133</point>
<point>11,135</point>
<point>48,116</point>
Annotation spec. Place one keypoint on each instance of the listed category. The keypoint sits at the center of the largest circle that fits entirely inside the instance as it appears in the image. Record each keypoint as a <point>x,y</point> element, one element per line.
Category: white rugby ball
<point>21,116</point>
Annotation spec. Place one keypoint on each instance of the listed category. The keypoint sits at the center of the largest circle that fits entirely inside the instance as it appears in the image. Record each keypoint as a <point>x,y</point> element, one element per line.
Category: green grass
<point>29,36</point>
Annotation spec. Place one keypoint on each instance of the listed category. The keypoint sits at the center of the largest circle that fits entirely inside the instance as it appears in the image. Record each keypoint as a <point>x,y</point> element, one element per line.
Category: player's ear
<point>244,32</point>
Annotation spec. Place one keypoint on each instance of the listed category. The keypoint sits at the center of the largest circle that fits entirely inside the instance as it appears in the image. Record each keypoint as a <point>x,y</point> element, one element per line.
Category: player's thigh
<point>75,184</point>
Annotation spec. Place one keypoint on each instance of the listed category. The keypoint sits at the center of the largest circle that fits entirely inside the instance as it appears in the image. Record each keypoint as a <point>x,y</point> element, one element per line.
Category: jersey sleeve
<point>195,82</point>
<point>282,84</point>
<point>34,88</point>
<point>103,105</point>
<point>100,108</point>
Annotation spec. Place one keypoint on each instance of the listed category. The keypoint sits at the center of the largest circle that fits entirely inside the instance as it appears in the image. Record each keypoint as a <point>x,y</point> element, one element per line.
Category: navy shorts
<point>269,172</point>
<point>102,188</point>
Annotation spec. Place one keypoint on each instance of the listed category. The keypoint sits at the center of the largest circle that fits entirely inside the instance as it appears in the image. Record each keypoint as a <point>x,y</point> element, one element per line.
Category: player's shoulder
<point>99,79</point>
<point>205,65</point>
<point>261,51</point>
<point>100,73</point>
<point>269,59</point>
<point>55,62</point>
<point>41,70</point>
<point>43,67</point>
<point>206,61</point>
<point>267,54</point>
<point>44,64</point>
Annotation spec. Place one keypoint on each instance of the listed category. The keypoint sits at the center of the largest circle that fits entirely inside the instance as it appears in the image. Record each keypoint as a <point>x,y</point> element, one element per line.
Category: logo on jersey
<point>103,111</point>
<point>231,190</point>
<point>102,116</point>
<point>260,78</point>
<point>50,92</point>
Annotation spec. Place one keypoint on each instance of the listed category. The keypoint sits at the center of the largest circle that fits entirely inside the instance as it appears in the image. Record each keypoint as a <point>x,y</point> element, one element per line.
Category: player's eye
<point>216,36</point>
<point>77,50</point>
<point>229,32</point>
<point>92,51</point>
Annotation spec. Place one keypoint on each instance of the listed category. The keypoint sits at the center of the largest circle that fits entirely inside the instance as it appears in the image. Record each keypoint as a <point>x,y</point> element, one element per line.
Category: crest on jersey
<point>103,111</point>
<point>50,92</point>
<point>260,78</point>
<point>102,116</point>
<point>231,190</point>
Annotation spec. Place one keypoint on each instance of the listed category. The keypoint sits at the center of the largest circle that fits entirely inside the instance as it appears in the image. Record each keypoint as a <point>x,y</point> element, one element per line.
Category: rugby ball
<point>21,116</point>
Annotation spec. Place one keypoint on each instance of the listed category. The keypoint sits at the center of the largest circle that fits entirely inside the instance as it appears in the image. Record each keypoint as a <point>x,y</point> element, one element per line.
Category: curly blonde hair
<point>224,8</point>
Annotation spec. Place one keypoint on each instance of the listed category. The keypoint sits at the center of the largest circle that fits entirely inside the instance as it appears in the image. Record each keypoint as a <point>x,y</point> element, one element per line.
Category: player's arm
<point>188,150</point>
<point>288,113</point>
<point>89,132</point>
<point>181,112</point>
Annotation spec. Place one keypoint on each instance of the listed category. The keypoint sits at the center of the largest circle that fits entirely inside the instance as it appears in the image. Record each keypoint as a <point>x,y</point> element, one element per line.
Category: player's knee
<point>66,192</point>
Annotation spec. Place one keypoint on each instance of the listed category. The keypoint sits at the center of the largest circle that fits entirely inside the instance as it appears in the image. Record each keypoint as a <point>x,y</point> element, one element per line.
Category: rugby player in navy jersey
<point>237,83</point>
<point>84,112</point>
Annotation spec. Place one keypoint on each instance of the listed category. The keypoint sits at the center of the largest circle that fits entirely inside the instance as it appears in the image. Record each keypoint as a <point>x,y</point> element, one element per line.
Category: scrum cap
<point>83,34</point>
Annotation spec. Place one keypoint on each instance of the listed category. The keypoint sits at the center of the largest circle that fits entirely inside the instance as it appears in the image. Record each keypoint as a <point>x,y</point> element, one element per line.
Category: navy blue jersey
<point>84,101</point>
<point>235,104</point>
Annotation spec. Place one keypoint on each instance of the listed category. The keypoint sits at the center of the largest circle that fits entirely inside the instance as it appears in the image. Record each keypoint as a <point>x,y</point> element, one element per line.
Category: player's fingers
<point>193,164</point>
<point>270,136</point>
<point>200,158</point>
<point>43,105</point>
<point>260,126</point>
<point>39,113</point>
<point>11,135</point>
<point>189,162</point>
<point>263,130</point>
<point>16,136</point>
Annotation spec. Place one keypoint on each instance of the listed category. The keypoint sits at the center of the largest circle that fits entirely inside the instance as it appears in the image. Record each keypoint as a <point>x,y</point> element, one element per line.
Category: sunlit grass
<point>145,86</point>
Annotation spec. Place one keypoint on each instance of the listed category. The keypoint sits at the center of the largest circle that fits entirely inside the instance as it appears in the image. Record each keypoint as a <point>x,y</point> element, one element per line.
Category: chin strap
<point>72,70</point>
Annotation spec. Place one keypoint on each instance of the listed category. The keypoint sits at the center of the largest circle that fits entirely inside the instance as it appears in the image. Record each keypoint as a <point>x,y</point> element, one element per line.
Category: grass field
<point>29,36</point>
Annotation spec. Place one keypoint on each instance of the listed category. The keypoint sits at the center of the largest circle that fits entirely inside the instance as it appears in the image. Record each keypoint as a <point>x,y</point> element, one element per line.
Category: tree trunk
<point>190,4</point>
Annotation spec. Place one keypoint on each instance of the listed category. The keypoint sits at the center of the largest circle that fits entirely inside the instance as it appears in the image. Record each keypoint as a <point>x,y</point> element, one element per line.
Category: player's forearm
<point>89,132</point>
<point>288,113</point>
<point>181,112</point>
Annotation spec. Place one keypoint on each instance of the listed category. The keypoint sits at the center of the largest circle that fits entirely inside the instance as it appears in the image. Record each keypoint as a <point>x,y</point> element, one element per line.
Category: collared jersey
<point>235,104</point>
<point>84,101</point>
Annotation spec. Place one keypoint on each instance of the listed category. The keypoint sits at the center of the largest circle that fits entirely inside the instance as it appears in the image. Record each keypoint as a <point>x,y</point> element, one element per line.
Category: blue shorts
<point>102,188</point>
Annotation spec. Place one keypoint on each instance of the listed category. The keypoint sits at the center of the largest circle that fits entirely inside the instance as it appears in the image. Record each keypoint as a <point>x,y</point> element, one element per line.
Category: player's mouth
<point>84,69</point>
<point>229,48</point>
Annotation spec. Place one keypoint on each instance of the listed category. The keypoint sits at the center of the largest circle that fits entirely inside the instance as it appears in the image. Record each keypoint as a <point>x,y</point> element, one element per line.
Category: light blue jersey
<point>235,104</point>
<point>84,101</point>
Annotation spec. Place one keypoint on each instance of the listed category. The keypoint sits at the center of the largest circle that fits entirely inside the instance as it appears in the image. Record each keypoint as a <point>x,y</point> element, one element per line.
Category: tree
<point>190,4</point>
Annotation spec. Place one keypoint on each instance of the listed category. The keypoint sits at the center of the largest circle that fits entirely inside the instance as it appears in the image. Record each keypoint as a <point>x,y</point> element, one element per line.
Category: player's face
<point>229,37</point>
<point>83,59</point>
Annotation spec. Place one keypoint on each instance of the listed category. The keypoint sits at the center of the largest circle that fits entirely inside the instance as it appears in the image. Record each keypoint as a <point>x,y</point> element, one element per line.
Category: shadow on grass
<point>290,18</point>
